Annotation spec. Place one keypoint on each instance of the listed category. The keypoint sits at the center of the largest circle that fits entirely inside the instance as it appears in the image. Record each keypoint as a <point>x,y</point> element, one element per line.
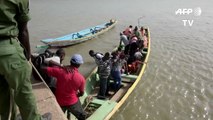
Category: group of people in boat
<point>66,81</point>
<point>133,41</point>
<point>109,65</point>
<point>127,59</point>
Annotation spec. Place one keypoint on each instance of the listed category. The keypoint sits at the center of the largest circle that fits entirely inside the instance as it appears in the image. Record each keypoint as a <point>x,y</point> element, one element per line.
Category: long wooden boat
<point>99,109</point>
<point>81,36</point>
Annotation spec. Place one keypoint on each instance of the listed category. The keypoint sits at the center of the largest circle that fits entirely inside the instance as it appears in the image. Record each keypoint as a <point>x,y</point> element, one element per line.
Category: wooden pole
<point>39,75</point>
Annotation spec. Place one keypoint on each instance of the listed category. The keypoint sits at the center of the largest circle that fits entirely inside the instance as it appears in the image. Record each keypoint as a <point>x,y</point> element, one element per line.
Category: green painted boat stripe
<point>103,111</point>
<point>91,82</point>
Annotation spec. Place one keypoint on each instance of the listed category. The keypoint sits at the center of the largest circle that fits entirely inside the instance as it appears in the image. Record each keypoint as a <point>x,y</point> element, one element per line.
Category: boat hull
<point>79,37</point>
<point>105,109</point>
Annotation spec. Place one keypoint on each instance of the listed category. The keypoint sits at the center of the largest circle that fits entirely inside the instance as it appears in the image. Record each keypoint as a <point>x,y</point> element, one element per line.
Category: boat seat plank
<point>98,101</point>
<point>126,80</point>
<point>132,77</point>
<point>120,93</point>
<point>105,108</point>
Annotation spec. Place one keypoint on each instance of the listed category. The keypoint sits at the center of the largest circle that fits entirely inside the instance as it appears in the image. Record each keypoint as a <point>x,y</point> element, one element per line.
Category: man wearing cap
<point>70,85</point>
<point>15,71</point>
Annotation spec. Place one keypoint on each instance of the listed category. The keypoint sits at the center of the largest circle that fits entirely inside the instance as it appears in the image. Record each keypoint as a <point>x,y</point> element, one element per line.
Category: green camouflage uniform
<point>15,71</point>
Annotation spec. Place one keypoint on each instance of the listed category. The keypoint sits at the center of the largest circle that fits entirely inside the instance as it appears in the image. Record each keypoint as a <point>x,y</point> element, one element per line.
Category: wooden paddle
<point>88,100</point>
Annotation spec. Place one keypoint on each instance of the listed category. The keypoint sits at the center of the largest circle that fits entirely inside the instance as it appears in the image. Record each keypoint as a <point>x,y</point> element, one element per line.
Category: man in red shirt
<point>70,85</point>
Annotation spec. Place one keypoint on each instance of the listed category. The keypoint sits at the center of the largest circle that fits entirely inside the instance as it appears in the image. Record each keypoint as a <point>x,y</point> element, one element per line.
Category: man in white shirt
<point>57,59</point>
<point>124,39</point>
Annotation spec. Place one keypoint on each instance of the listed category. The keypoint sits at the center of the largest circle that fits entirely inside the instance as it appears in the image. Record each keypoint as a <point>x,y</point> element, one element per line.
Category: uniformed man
<point>15,70</point>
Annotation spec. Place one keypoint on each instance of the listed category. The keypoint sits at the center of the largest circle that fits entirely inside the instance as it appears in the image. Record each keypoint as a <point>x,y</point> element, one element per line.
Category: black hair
<point>60,52</point>
<point>136,28</point>
<point>74,64</point>
<point>91,52</point>
<point>119,48</point>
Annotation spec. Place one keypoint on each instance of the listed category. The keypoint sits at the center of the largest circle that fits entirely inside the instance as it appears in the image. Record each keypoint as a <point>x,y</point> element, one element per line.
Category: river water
<point>178,81</point>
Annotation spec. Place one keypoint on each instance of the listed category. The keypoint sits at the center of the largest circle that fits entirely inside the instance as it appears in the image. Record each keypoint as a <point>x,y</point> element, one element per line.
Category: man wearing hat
<point>70,85</point>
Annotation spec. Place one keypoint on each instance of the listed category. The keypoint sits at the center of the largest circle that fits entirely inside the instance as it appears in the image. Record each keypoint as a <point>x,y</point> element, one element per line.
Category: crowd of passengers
<point>124,60</point>
<point>132,42</point>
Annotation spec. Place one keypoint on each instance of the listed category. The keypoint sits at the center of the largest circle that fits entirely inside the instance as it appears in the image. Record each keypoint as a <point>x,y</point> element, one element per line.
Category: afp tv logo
<point>188,11</point>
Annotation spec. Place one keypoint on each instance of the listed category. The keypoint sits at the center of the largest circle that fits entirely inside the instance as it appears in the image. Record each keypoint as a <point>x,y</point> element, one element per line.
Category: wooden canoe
<point>98,109</point>
<point>81,36</point>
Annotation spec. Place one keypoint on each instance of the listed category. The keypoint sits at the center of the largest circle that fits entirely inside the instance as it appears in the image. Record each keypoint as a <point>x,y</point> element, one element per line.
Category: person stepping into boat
<point>70,85</point>
<point>103,72</point>
<point>97,57</point>
<point>54,61</point>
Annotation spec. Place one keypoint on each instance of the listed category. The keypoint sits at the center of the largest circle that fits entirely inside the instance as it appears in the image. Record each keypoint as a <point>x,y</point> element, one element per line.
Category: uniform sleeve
<point>23,11</point>
<point>52,71</point>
